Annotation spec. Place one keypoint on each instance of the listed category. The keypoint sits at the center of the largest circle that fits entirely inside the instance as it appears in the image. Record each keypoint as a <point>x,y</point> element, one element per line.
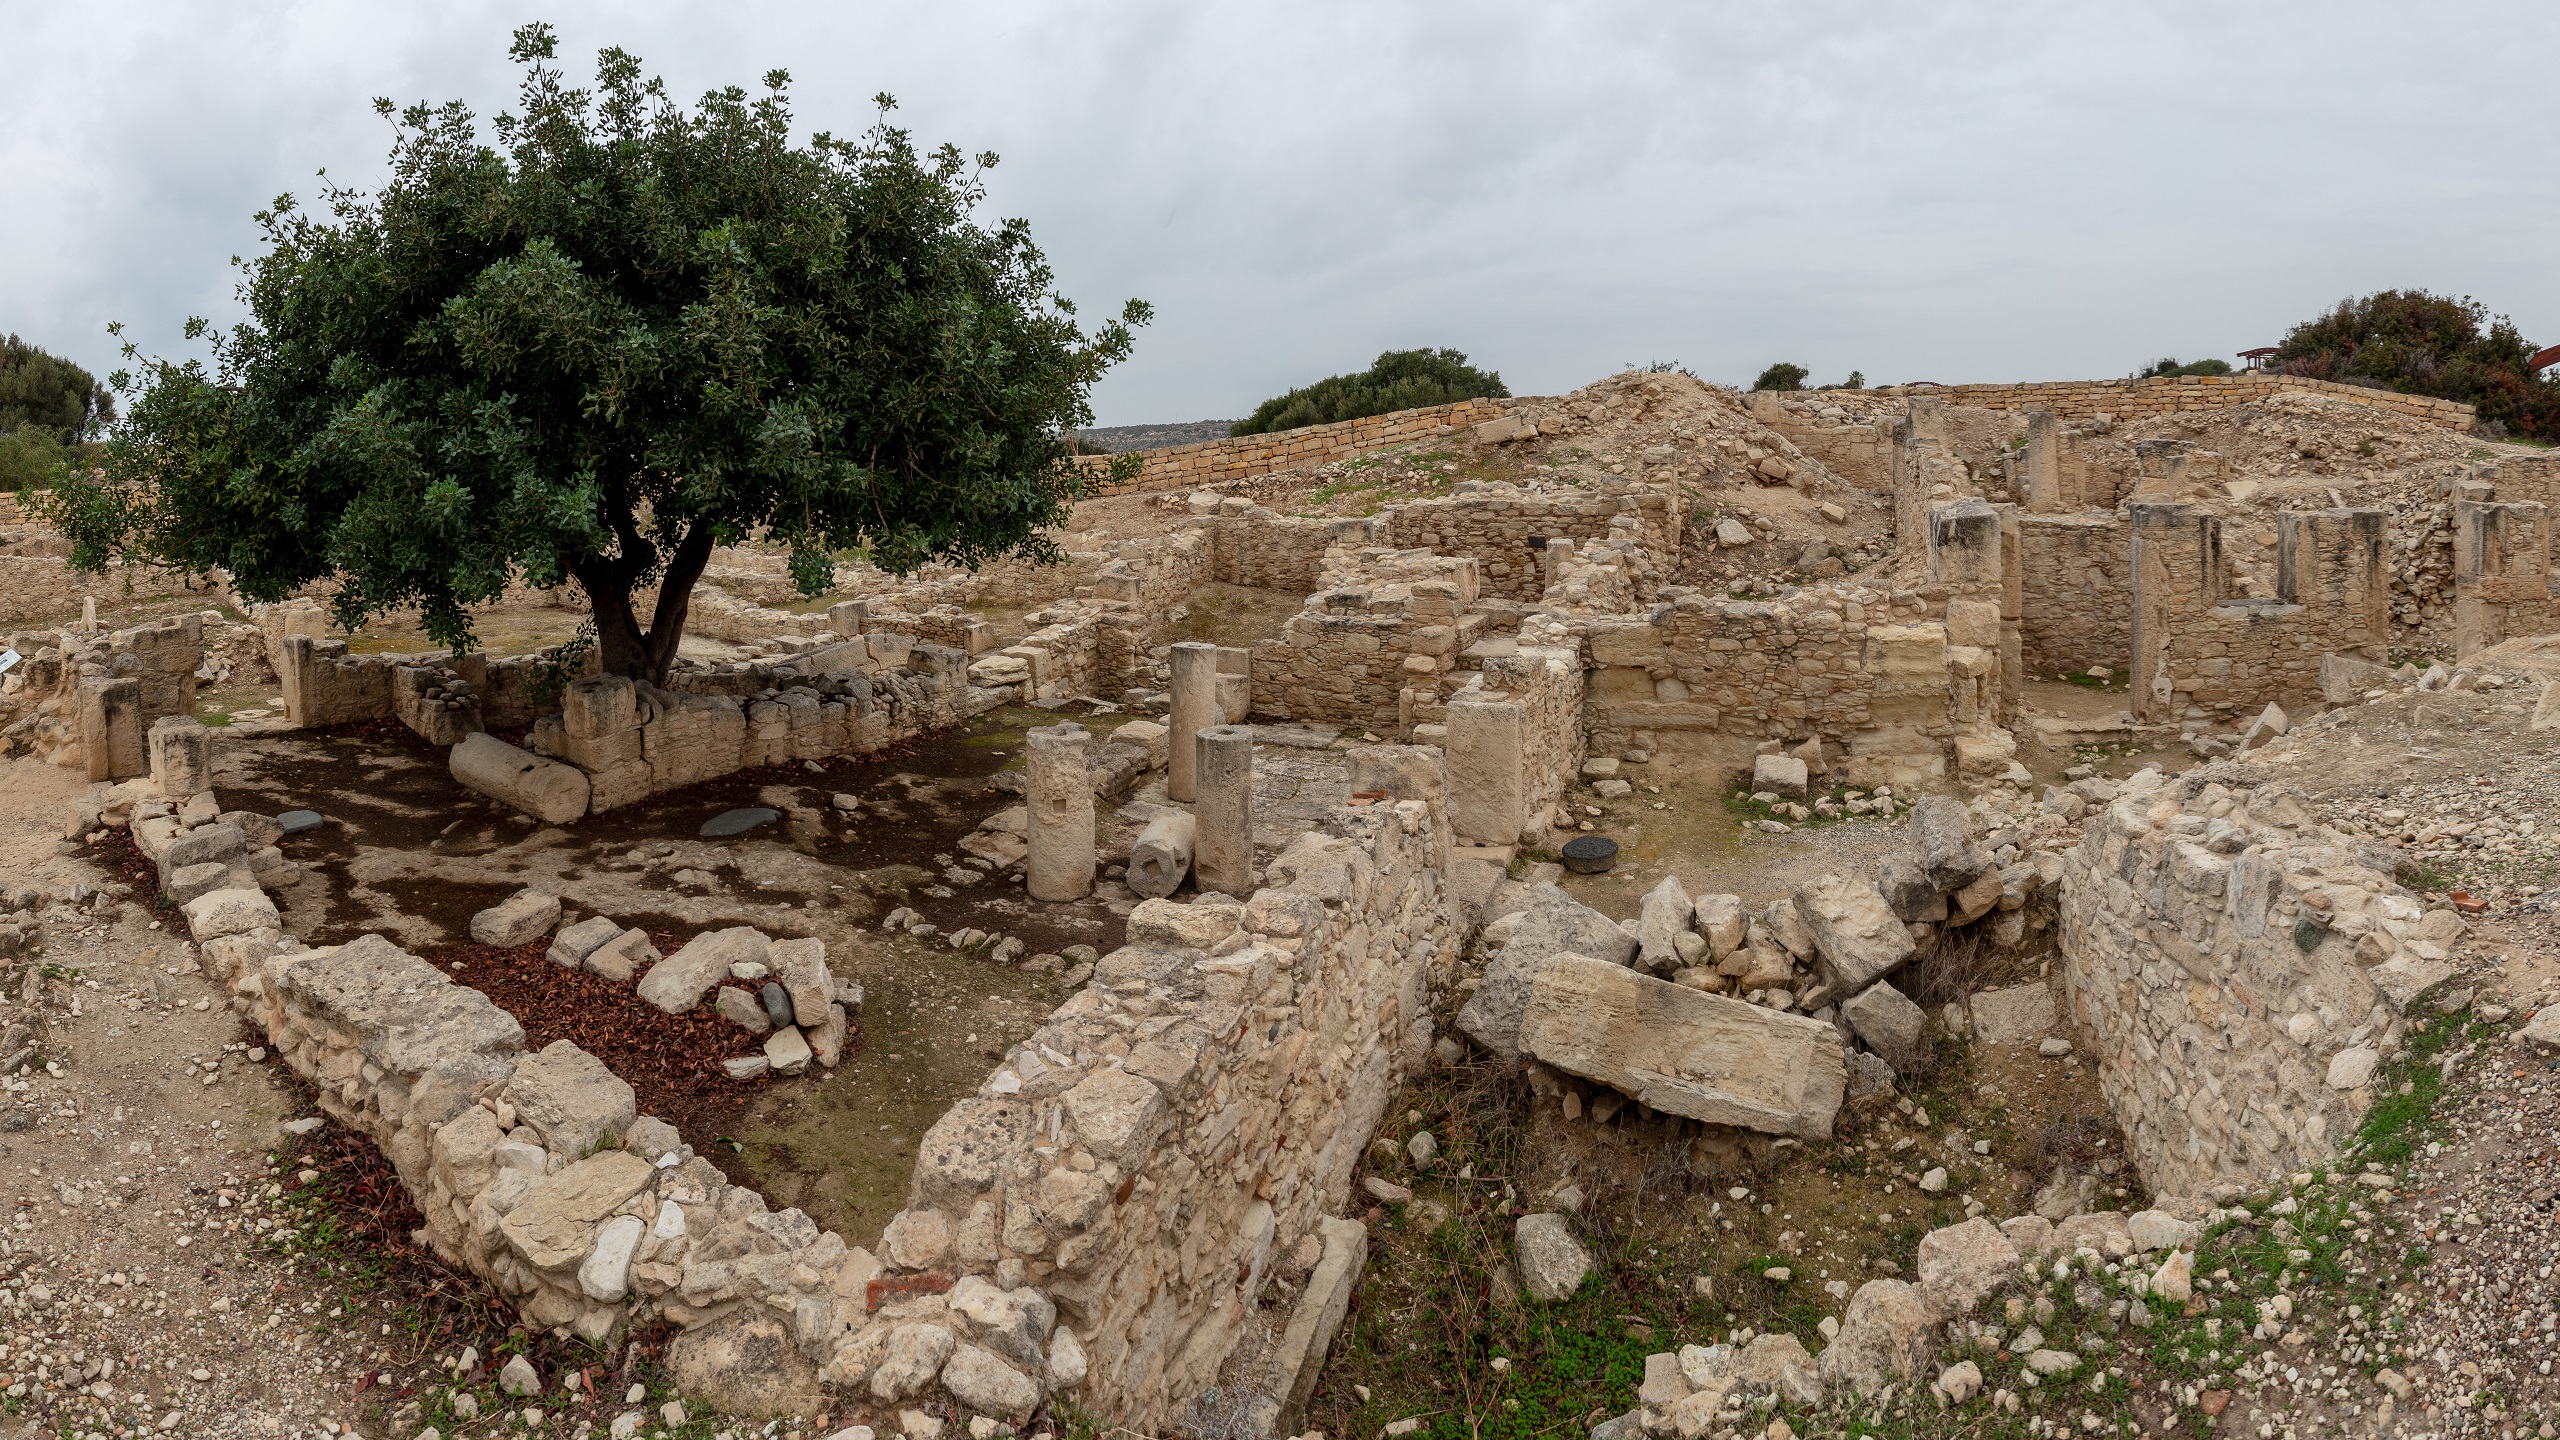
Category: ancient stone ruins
<point>1833,604</point>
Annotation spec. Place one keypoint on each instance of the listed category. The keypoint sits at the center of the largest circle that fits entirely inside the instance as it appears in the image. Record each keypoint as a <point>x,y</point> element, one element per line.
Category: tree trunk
<point>622,647</point>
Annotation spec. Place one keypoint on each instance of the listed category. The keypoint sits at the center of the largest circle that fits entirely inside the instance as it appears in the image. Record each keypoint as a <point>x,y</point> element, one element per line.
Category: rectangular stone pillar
<point>2330,562</point>
<point>1911,454</point>
<point>111,727</point>
<point>2043,487</point>
<point>849,617</point>
<point>1964,546</point>
<point>1488,783</point>
<point>2501,561</point>
<point>2177,569</point>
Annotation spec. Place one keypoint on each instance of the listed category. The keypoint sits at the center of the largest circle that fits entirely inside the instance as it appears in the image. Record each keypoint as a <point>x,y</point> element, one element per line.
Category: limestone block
<point>571,947</point>
<point>1553,1263</point>
<point>1941,831</point>
<point>1322,1304</point>
<point>1719,918</point>
<point>1857,936</point>
<point>747,1363</point>
<point>677,983</point>
<point>1013,1323</point>
<point>1683,1051</point>
<point>181,756</point>
<point>553,1227</point>
<point>571,1098</point>
<point>111,732</point>
<point>1181,927</point>
<point>981,1380</point>
<point>516,920</point>
<point>545,789</point>
<point>1550,922</point>
<point>1147,737</point>
<point>1888,1335</point>
<point>180,884</point>
<point>1891,1025</point>
<point>623,956</point>
<point>1784,774</point>
<point>218,913</point>
<point>206,842</point>
<point>1960,1264</point>
<point>801,967</point>
<point>605,1275</point>
<point>1059,798</point>
<point>2018,1012</point>
<point>1665,917</point>
<point>1117,1115</point>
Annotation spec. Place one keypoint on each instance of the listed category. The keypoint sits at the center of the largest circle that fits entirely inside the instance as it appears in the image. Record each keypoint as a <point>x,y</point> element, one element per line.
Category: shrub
<point>28,455</point>
<point>1400,380</point>
<point>1781,376</point>
<point>2423,344</point>
<point>2169,366</point>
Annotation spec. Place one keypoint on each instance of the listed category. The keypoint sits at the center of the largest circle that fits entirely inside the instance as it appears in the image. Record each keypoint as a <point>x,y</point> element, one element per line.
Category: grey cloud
<point>1956,192</point>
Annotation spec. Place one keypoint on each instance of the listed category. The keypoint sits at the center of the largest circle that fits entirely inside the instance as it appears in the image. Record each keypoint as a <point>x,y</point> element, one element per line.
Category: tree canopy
<point>1781,376</point>
<point>50,394</point>
<point>592,346</point>
<point>2423,344</point>
<point>1400,380</point>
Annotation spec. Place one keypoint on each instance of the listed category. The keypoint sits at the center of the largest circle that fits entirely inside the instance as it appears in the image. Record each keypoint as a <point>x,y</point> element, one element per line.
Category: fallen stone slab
<point>2013,1013</point>
<point>1942,841</point>
<point>296,822</point>
<point>623,956</point>
<point>1684,1051</point>
<point>517,919</point>
<point>1663,921</point>
<point>1551,922</point>
<point>1857,936</point>
<point>236,911</point>
<point>1299,1358</point>
<point>1783,774</point>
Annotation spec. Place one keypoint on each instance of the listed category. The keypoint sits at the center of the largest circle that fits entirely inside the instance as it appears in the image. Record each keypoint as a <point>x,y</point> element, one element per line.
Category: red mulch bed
<point>671,1061</point>
<point>119,854</point>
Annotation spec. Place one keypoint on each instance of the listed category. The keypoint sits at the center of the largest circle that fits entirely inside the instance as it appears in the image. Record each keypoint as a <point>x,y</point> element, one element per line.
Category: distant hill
<point>1117,438</point>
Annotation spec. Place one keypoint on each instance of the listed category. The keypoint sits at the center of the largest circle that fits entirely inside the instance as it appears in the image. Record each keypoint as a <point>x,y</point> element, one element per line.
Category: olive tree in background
<point>593,347</point>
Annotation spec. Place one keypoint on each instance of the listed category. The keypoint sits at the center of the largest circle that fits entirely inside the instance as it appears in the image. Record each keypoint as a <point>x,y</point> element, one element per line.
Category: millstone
<point>1590,854</point>
<point>738,822</point>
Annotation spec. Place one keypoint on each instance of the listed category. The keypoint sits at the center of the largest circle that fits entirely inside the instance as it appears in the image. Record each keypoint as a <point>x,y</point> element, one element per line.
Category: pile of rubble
<point>1765,1020</point>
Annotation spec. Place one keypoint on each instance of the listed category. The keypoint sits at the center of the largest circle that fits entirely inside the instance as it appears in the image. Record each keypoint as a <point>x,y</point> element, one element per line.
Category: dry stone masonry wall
<point>2242,972</point>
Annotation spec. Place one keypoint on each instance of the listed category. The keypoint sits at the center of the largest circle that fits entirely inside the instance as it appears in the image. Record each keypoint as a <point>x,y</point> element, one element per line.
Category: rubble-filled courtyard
<point>1658,911</point>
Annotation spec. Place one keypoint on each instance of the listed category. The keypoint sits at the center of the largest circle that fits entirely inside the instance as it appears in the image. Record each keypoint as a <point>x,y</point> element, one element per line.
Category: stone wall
<point>2076,592</point>
<point>2196,651</point>
<point>86,700</point>
<point>2163,395</point>
<point>1514,735</point>
<point>1369,653</point>
<point>1259,547</point>
<point>2240,972</point>
<point>2502,573</point>
<point>1179,1132</point>
<point>1494,523</point>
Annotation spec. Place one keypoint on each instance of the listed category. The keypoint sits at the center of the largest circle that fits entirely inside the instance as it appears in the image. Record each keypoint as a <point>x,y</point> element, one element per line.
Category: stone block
<point>1553,1263</point>
<point>1683,1051</point>
<point>677,983</point>
<point>1665,917</point>
<point>1891,1025</point>
<point>1550,922</point>
<point>571,947</point>
<point>181,756</point>
<point>1719,918</point>
<point>571,1098</point>
<point>516,920</point>
<point>235,911</point>
<point>623,956</point>
<point>1857,936</point>
<point>1784,774</point>
<point>2018,1012</point>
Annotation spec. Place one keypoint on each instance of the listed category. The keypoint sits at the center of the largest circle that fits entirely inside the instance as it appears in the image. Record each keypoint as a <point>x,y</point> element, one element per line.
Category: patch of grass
<point>2087,681</point>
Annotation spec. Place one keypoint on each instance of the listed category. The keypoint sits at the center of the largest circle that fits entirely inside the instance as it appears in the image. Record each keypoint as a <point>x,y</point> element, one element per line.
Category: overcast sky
<point>1951,192</point>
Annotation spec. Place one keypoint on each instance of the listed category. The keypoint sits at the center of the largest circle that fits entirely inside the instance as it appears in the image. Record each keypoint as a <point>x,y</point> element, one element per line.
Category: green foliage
<point>2168,366</point>
<point>594,345</point>
<point>1781,376</point>
<point>28,456</point>
<point>1400,380</point>
<point>1857,381</point>
<point>2423,344</point>
<point>50,395</point>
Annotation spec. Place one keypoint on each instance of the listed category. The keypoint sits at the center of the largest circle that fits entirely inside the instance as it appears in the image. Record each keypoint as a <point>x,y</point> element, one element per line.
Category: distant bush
<point>1400,380</point>
<point>1781,376</point>
<point>2169,366</point>
<point>1857,381</point>
<point>2423,344</point>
